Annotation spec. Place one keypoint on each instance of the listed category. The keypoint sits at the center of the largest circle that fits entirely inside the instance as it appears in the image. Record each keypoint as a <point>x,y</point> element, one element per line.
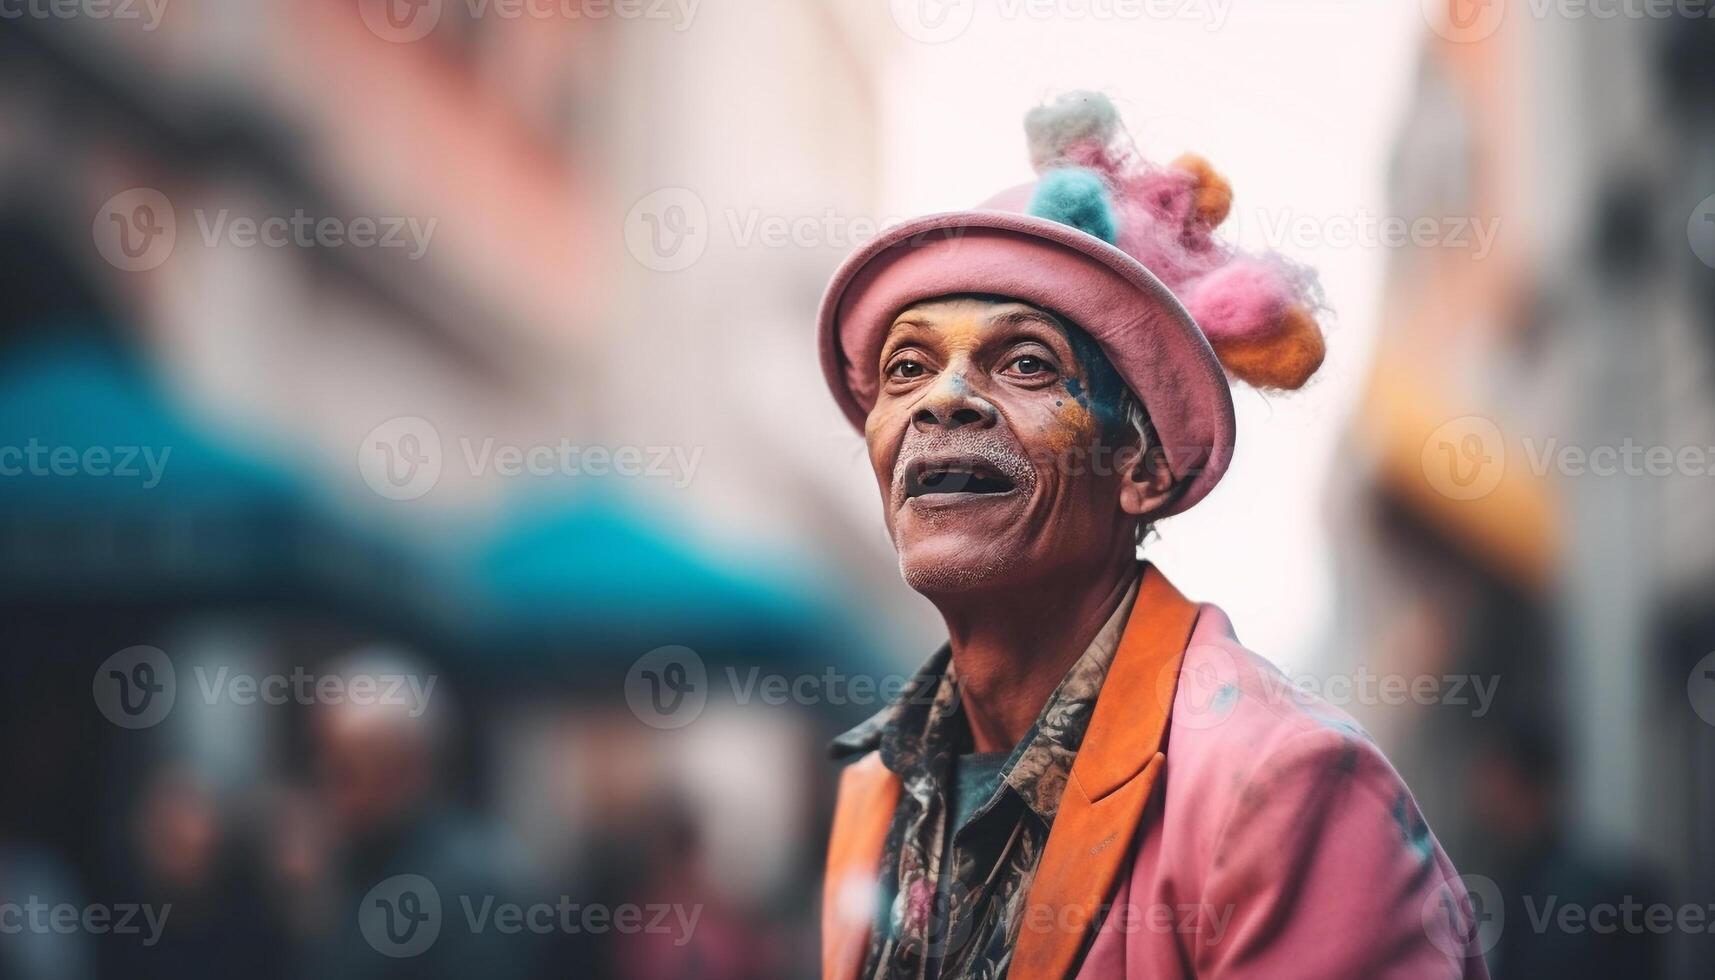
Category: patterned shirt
<point>951,898</point>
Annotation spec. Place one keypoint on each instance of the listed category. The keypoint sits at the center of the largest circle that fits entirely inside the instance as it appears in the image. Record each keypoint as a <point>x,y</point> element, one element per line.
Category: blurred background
<point>426,545</point>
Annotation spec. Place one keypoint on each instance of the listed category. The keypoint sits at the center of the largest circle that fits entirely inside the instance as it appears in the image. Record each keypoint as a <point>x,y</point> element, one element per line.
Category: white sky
<point>1298,102</point>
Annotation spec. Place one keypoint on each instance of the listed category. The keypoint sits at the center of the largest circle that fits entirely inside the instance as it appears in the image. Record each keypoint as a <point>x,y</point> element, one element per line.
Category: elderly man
<point>1092,777</point>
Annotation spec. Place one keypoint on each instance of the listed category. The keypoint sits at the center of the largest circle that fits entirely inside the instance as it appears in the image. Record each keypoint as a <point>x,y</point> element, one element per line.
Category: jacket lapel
<point>869,792</point>
<point>1111,783</point>
<point>1100,812</point>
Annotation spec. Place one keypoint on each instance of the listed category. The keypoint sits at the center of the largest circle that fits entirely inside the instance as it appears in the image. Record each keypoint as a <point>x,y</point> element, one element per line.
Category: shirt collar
<point>1039,766</point>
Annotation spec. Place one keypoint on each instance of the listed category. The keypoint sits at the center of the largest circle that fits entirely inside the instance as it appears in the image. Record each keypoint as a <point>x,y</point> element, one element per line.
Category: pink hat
<point>1106,241</point>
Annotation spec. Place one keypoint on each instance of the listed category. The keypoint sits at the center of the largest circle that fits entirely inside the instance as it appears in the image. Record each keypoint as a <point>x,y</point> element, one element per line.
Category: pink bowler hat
<point>1098,240</point>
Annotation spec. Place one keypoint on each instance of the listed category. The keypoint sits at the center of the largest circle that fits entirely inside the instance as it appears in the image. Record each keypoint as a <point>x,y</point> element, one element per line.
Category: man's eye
<point>906,369</point>
<point>1029,366</point>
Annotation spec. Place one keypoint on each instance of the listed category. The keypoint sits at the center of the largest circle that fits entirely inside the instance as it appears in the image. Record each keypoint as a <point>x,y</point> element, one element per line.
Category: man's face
<point>992,443</point>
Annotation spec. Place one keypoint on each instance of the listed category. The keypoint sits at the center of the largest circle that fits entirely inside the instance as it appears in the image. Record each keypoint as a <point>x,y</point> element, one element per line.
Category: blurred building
<point>1473,544</point>
<point>517,153</point>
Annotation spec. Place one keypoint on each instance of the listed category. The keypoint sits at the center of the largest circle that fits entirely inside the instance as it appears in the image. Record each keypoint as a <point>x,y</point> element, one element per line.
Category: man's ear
<point>1146,482</point>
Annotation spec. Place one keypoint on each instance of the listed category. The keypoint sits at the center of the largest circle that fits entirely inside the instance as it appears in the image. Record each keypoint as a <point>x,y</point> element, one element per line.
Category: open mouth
<point>931,478</point>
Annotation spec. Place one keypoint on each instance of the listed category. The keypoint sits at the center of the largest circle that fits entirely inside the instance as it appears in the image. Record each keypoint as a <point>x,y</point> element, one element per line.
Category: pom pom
<point>1262,331</point>
<point>1056,130</point>
<point>1076,197</point>
<point>1212,196</point>
<point>1259,312</point>
<point>1284,359</point>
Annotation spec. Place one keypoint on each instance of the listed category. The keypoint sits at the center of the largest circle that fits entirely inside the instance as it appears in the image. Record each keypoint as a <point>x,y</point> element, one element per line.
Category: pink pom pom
<point>1243,300</point>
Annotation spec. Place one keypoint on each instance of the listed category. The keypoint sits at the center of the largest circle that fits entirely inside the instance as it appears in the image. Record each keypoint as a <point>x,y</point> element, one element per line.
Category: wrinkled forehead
<point>974,317</point>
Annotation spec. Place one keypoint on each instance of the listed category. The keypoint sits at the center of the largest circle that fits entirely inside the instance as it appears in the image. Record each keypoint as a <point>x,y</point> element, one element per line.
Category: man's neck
<point>1012,651</point>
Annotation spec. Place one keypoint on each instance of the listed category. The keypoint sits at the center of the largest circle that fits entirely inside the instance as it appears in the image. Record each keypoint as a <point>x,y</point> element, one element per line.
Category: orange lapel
<point>1111,783</point>
<point>869,792</point>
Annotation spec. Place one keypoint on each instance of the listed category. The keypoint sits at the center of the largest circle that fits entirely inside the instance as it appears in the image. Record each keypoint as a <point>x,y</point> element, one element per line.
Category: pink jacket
<point>1265,835</point>
<point>1280,844</point>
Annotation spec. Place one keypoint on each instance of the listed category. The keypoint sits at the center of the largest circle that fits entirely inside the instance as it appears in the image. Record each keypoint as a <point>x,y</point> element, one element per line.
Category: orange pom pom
<point>1282,358</point>
<point>1214,199</point>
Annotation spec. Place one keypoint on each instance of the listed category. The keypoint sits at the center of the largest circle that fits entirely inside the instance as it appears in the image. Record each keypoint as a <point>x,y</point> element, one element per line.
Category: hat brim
<point>1144,330</point>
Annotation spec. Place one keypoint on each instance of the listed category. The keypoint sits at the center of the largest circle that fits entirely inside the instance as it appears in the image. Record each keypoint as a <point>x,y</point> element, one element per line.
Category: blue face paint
<point>1104,391</point>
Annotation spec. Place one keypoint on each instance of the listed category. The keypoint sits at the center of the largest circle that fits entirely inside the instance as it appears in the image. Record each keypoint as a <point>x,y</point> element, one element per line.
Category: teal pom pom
<point>1077,197</point>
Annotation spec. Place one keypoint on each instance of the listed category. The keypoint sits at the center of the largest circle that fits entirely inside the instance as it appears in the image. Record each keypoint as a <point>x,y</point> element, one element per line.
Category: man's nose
<point>952,405</point>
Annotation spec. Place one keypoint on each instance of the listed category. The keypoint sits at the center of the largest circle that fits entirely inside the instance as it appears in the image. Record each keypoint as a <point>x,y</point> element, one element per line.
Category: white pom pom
<point>1072,118</point>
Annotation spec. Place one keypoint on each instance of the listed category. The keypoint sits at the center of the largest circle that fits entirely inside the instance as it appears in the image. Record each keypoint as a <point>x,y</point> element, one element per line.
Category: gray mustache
<point>1003,458</point>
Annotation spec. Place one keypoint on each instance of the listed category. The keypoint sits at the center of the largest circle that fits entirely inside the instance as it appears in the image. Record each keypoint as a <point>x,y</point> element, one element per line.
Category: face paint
<point>986,440</point>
